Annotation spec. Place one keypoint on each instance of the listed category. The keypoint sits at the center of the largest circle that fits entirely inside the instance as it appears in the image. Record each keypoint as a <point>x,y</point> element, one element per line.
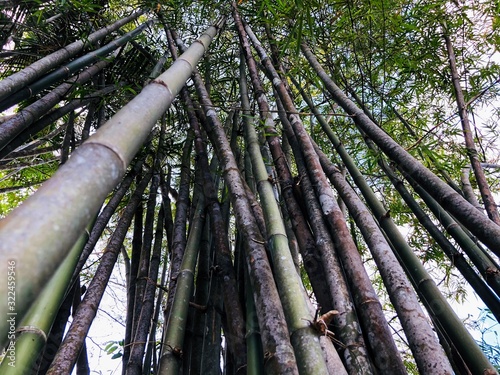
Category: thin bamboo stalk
<point>69,69</point>
<point>22,120</point>
<point>484,188</point>
<point>17,80</point>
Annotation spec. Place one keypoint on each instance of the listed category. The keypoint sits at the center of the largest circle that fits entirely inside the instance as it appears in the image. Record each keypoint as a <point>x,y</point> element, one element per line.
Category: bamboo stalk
<point>484,188</point>
<point>304,340</point>
<point>385,354</point>
<point>17,80</point>
<point>432,298</point>
<point>175,327</point>
<point>69,69</point>
<point>35,327</point>
<point>38,234</point>
<point>275,336</point>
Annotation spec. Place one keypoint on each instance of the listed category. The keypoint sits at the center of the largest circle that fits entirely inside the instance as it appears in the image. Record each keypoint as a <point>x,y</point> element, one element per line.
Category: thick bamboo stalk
<point>487,231</point>
<point>35,327</point>
<point>39,234</point>
<point>171,356</point>
<point>69,350</point>
<point>17,80</point>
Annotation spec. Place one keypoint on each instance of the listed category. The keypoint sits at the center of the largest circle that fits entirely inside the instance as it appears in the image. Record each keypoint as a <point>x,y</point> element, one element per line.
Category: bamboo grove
<point>289,187</point>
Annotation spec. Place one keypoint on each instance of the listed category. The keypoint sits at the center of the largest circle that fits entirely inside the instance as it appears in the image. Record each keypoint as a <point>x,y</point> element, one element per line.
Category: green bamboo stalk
<point>171,356</point>
<point>22,78</point>
<point>481,226</point>
<point>35,327</point>
<point>39,233</point>
<point>69,69</point>
<point>304,340</point>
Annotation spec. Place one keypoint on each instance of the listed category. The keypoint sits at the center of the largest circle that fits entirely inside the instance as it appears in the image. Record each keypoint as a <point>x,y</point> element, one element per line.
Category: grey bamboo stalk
<point>304,339</point>
<point>17,80</point>
<point>427,351</point>
<point>106,213</point>
<point>38,234</point>
<point>487,231</point>
<point>345,323</point>
<point>484,188</point>
<point>35,327</point>
<point>69,350</point>
<point>275,336</point>
<point>312,259</point>
<point>430,295</point>
<point>386,356</point>
<point>175,327</point>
